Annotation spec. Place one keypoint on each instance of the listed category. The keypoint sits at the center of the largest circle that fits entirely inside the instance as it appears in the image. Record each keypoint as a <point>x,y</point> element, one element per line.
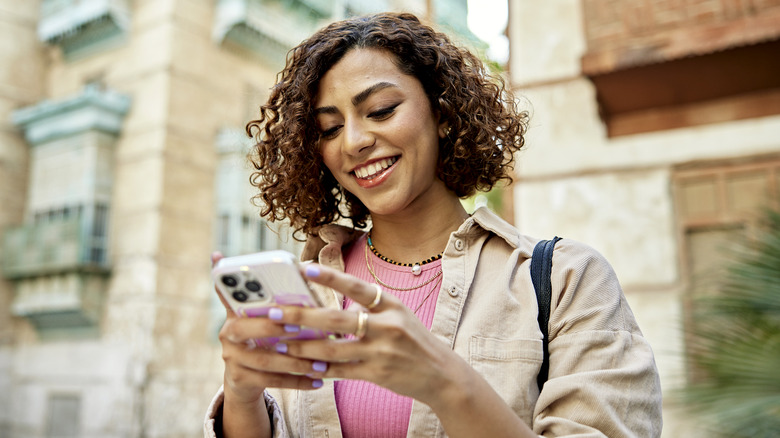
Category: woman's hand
<point>249,369</point>
<point>396,352</point>
<point>393,349</point>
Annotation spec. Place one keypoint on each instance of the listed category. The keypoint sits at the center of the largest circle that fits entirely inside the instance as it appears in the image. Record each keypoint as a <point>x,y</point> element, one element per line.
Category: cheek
<point>330,158</point>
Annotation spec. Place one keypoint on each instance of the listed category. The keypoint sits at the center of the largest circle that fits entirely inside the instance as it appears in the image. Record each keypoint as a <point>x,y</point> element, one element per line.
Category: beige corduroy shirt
<point>603,381</point>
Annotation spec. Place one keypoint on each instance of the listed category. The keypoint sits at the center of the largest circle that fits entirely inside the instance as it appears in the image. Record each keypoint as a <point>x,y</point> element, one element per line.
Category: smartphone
<point>254,283</point>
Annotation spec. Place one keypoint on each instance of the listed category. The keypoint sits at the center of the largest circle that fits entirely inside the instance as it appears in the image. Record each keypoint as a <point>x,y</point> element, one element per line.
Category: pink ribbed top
<point>366,409</point>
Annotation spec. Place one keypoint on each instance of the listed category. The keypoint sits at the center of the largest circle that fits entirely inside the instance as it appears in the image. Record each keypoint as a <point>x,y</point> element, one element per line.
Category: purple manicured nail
<point>319,366</point>
<point>316,383</point>
<point>292,328</point>
<point>281,348</point>
<point>312,270</point>
<point>275,314</point>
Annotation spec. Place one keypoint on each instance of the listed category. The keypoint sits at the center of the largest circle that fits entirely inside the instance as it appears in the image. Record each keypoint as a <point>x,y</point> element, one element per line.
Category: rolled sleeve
<point>603,379</point>
<point>214,412</point>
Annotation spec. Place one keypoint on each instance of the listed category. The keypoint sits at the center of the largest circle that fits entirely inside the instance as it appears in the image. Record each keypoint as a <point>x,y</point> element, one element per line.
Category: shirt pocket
<point>510,366</point>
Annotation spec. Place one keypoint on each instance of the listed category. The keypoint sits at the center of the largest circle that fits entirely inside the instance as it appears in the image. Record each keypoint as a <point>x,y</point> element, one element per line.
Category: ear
<point>444,129</point>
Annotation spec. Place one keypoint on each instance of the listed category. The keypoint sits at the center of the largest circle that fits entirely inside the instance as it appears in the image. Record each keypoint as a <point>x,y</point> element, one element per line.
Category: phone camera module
<point>252,285</point>
<point>229,280</point>
<point>240,296</point>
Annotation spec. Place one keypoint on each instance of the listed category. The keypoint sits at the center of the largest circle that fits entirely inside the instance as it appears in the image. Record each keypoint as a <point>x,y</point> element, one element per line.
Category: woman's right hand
<point>249,370</point>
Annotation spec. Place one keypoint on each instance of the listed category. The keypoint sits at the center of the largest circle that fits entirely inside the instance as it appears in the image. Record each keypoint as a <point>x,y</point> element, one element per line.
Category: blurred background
<point>655,138</point>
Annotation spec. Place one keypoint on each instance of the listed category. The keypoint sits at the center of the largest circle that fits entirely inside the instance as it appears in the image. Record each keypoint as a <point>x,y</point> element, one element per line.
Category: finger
<point>273,361</point>
<point>230,313</point>
<point>242,376</point>
<point>360,291</point>
<point>241,330</point>
<point>325,319</point>
<point>216,256</point>
<point>330,351</point>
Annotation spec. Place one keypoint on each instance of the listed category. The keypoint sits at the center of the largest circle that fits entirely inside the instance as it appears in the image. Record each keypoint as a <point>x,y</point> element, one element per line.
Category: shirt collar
<point>326,245</point>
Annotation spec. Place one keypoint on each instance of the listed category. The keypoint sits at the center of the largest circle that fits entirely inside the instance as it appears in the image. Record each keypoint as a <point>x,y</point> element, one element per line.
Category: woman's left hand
<point>396,350</point>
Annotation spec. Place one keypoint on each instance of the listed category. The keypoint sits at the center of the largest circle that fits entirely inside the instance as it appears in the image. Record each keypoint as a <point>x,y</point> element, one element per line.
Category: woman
<point>382,120</point>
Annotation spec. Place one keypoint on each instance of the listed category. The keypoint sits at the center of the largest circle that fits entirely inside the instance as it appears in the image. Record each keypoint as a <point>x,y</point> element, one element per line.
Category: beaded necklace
<point>416,267</point>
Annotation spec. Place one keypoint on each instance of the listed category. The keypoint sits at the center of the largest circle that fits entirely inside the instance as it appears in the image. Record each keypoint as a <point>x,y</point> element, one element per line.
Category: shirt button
<point>453,291</point>
<point>459,245</point>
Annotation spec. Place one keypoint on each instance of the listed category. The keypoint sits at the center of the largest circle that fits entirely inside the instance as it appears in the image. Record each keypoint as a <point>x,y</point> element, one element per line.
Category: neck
<point>417,234</point>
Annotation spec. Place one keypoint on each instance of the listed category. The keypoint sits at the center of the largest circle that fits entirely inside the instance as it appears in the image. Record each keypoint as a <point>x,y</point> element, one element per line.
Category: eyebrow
<point>358,98</point>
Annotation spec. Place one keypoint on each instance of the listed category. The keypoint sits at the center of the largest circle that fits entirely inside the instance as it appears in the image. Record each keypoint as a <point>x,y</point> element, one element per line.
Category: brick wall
<point>664,29</point>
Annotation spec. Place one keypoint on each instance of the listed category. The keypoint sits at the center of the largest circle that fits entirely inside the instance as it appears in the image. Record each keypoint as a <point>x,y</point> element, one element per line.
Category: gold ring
<point>362,325</point>
<point>377,298</point>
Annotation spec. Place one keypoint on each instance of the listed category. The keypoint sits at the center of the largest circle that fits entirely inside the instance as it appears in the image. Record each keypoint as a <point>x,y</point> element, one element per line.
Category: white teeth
<point>374,168</point>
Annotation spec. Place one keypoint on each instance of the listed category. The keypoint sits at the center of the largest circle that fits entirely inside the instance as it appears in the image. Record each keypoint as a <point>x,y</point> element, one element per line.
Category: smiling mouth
<point>372,170</point>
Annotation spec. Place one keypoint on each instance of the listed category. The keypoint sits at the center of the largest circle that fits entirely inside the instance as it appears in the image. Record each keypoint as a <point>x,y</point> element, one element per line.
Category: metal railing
<point>60,245</point>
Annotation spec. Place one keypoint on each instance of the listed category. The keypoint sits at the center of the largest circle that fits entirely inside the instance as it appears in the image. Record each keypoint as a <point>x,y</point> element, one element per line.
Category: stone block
<point>152,12</point>
<point>138,185</point>
<point>181,147</point>
<point>24,11</point>
<point>627,216</point>
<point>566,136</point>
<point>548,41</point>
<point>21,54</point>
<point>189,284</point>
<point>141,144</point>
<point>149,109</point>
<point>134,233</point>
<point>180,332</point>
<point>184,239</point>
<point>199,108</point>
<point>175,403</point>
<point>188,190</point>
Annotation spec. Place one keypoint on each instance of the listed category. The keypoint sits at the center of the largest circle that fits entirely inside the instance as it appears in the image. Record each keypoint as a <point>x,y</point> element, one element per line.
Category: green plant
<point>734,342</point>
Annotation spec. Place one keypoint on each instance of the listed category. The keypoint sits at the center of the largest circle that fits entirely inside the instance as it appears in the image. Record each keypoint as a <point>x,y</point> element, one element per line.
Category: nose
<point>357,138</point>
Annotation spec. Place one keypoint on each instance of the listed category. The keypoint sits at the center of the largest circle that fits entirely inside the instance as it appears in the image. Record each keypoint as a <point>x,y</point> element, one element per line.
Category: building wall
<point>614,193</point>
<point>21,84</point>
<point>154,365</point>
<point>154,362</point>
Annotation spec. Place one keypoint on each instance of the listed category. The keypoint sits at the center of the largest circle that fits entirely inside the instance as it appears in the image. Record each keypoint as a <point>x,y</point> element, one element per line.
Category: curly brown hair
<point>487,128</point>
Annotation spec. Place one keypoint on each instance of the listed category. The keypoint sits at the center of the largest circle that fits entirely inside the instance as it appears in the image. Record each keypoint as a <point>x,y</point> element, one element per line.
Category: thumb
<point>216,256</point>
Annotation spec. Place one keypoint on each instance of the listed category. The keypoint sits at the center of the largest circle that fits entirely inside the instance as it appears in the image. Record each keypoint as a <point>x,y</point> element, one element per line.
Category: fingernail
<point>316,383</point>
<point>312,270</point>
<point>281,348</point>
<point>275,314</point>
<point>291,328</point>
<point>319,366</point>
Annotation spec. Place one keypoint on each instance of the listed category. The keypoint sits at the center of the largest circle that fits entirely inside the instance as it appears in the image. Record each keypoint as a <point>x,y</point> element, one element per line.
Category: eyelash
<point>380,114</point>
<point>384,112</point>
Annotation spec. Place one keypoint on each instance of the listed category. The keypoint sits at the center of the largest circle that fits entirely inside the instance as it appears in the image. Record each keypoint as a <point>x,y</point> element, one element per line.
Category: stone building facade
<point>121,170</point>
<point>655,138</point>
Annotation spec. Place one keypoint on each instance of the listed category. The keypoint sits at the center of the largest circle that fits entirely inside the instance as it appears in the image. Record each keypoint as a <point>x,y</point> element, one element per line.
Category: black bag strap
<point>541,268</point>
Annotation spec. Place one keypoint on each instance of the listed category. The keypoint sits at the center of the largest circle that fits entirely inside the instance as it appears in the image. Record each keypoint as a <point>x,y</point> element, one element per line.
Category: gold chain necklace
<point>371,270</point>
<point>433,289</point>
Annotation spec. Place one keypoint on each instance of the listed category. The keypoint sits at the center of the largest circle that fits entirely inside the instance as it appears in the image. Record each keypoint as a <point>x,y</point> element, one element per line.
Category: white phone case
<point>254,283</point>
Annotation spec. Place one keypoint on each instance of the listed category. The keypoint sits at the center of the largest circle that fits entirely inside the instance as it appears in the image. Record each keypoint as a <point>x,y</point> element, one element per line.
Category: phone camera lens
<point>240,296</point>
<point>252,285</point>
<point>229,280</point>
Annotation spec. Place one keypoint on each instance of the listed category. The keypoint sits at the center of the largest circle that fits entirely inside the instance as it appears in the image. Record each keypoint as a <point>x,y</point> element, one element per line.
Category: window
<point>717,203</point>
<point>64,416</point>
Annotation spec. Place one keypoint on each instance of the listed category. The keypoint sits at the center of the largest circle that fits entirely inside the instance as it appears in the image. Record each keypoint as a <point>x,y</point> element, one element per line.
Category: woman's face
<point>379,134</point>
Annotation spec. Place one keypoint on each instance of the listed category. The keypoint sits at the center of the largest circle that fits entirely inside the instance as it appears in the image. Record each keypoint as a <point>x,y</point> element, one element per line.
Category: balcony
<point>267,29</point>
<point>79,26</point>
<point>63,245</point>
<point>666,65</point>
